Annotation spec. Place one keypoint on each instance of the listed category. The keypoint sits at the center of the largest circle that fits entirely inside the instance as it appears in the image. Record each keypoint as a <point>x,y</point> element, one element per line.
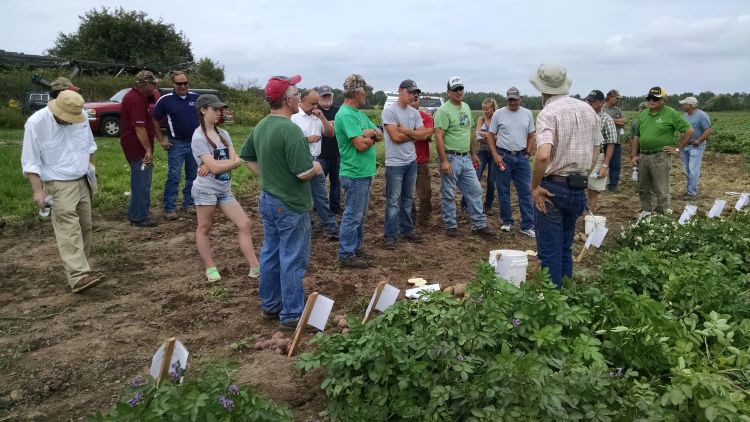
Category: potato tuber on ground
<point>278,343</point>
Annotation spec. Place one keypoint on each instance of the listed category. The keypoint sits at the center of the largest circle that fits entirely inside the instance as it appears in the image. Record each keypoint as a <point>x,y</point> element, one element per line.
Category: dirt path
<point>65,356</point>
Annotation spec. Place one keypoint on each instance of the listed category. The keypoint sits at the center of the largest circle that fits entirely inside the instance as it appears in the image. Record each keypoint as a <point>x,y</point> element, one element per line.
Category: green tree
<point>210,70</point>
<point>123,36</point>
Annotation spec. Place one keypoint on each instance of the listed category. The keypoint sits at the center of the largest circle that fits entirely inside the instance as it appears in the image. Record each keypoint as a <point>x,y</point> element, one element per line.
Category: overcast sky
<point>632,45</point>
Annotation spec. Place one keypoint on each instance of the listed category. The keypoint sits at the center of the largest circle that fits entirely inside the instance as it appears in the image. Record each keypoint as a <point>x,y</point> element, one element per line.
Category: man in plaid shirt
<point>598,178</point>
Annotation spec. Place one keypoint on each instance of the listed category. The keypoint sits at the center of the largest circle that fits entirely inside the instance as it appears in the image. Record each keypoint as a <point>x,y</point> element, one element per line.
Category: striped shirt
<point>573,129</point>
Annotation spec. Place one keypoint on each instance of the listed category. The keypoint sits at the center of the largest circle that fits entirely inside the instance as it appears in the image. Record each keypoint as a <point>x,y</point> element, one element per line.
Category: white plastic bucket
<point>589,223</point>
<point>510,265</point>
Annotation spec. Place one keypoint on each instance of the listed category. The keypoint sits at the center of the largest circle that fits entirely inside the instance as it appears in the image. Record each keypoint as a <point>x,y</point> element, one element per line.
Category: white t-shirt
<point>310,125</point>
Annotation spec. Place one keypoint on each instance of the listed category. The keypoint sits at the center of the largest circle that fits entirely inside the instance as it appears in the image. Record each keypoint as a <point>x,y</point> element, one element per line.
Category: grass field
<point>731,135</point>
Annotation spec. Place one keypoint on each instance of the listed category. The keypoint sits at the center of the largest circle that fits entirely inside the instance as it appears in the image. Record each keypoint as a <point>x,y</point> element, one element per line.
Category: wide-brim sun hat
<point>551,79</point>
<point>68,107</point>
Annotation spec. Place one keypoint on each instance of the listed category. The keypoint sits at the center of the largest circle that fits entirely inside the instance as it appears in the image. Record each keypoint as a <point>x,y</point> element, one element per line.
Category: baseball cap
<point>277,86</point>
<point>657,92</point>
<point>145,76</point>
<point>689,100</point>
<point>325,90</point>
<point>455,82</point>
<point>595,95</point>
<point>62,83</point>
<point>210,100</point>
<point>614,93</point>
<point>355,81</point>
<point>551,79</point>
<point>410,86</point>
<point>68,106</point>
<point>513,93</point>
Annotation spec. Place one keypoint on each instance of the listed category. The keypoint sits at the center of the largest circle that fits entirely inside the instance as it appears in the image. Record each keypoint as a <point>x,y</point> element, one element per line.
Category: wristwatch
<point>676,149</point>
<point>605,166</point>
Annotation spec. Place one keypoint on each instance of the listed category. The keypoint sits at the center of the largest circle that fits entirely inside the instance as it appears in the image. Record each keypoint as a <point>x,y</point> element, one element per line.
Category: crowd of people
<point>559,164</point>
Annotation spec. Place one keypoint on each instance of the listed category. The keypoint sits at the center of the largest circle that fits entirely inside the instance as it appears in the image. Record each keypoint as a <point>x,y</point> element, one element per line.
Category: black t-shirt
<point>329,147</point>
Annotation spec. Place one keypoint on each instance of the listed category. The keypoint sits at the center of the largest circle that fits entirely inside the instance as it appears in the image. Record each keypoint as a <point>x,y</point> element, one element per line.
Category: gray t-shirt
<point>512,128</point>
<point>405,153</point>
<point>211,183</point>
<point>699,121</point>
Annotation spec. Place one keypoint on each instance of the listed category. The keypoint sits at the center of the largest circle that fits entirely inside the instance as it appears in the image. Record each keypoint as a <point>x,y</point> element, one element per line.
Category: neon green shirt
<point>457,123</point>
<point>349,124</point>
<point>657,130</point>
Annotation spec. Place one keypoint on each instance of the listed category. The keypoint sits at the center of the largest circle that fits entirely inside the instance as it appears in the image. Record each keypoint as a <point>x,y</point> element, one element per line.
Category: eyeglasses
<point>180,83</point>
<point>458,89</point>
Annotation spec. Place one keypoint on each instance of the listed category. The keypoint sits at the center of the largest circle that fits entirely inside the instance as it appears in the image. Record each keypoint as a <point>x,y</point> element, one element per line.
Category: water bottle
<point>634,174</point>
<point>46,207</point>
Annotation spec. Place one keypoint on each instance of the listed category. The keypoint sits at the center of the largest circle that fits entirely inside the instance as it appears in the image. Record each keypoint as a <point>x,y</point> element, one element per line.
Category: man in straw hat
<point>57,148</point>
<point>568,138</point>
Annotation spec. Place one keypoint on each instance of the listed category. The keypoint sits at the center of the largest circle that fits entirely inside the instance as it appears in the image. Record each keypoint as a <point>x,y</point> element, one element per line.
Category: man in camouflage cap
<point>61,84</point>
<point>356,136</point>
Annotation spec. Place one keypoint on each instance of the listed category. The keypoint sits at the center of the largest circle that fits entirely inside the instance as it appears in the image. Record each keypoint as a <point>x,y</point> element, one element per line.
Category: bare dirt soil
<point>65,356</point>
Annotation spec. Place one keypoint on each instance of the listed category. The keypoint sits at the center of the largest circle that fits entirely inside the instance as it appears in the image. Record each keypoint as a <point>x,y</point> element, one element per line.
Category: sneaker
<point>362,253</point>
<point>144,223</point>
<point>212,274</point>
<point>254,272</point>
<point>529,232</point>
<point>484,232</point>
<point>506,228</point>
<point>90,280</point>
<point>171,216</point>
<point>353,262</point>
<point>688,197</point>
<point>452,232</point>
<point>389,243</point>
<point>413,237</point>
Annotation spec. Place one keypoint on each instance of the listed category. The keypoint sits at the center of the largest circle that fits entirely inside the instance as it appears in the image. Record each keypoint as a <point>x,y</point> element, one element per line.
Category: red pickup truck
<point>104,117</point>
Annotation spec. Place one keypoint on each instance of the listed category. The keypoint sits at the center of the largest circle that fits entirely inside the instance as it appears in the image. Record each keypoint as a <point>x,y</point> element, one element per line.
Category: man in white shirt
<point>314,125</point>
<point>57,148</point>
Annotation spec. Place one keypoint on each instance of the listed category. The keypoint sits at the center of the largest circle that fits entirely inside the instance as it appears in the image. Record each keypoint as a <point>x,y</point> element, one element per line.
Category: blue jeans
<point>464,177</point>
<point>140,191</point>
<point>283,258</point>
<point>691,158</point>
<point>518,170</point>
<point>331,170</point>
<point>400,187</point>
<point>485,161</point>
<point>320,204</point>
<point>614,167</point>
<point>556,227</point>
<point>356,201</point>
<point>179,153</point>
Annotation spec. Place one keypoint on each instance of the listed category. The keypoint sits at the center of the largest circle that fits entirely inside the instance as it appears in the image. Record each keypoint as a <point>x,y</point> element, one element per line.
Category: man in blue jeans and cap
<point>178,107</point>
<point>568,135</point>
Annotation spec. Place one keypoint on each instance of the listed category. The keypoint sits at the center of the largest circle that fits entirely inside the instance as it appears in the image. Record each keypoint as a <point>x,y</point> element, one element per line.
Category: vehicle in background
<point>35,101</point>
<point>427,103</point>
<point>104,117</point>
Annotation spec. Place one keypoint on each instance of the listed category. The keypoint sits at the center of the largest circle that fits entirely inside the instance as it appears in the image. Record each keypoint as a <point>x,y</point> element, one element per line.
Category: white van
<point>427,103</point>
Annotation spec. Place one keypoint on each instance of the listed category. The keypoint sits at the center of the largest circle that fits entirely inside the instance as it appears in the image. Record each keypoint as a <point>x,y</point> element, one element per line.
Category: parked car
<point>34,101</point>
<point>104,117</point>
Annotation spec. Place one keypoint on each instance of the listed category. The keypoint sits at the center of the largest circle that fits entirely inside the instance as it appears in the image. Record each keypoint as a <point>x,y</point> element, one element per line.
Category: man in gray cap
<point>568,135</point>
<point>329,157</point>
<point>692,155</point>
<point>57,148</point>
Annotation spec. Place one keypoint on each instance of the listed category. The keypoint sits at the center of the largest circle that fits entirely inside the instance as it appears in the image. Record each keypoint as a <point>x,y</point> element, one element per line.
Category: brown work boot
<point>90,280</point>
<point>353,262</point>
<point>484,232</point>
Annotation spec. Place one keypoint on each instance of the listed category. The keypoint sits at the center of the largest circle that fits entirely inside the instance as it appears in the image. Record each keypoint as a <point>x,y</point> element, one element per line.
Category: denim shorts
<point>202,197</point>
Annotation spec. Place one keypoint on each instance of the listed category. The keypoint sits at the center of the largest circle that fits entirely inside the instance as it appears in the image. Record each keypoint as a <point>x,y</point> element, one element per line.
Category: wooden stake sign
<point>385,295</point>
<point>595,238</point>
<point>316,313</point>
<point>170,353</point>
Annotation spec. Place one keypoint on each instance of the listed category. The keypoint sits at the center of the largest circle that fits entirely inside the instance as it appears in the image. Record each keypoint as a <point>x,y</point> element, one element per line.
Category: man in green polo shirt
<point>278,151</point>
<point>652,146</point>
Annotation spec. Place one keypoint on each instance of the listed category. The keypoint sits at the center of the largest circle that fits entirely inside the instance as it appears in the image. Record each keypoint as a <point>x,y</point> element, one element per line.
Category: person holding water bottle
<point>57,148</point>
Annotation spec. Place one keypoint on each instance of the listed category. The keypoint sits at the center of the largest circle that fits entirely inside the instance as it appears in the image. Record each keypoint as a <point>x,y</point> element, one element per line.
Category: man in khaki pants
<point>57,148</point>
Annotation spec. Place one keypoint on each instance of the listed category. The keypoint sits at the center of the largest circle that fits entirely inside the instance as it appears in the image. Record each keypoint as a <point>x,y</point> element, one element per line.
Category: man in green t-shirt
<point>652,146</point>
<point>356,136</point>
<point>457,158</point>
<point>278,151</point>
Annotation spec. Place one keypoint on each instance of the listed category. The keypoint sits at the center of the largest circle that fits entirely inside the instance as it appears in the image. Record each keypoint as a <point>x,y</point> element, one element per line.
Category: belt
<point>649,152</point>
<point>556,178</point>
<point>508,152</point>
<point>463,154</point>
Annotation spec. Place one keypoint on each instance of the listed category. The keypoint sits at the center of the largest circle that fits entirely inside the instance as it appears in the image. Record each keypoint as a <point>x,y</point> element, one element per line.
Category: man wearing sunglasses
<point>652,148</point>
<point>178,107</point>
<point>457,156</point>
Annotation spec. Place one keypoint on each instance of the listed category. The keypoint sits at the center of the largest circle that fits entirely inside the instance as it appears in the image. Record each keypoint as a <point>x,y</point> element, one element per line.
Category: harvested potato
<point>344,330</point>
<point>448,290</point>
<point>342,323</point>
<point>258,345</point>
<point>459,289</point>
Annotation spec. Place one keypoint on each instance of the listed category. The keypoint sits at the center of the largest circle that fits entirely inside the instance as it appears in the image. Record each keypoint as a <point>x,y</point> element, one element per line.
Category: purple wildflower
<point>461,358</point>
<point>226,403</point>
<point>176,371</point>
<point>234,389</point>
<point>138,381</point>
<point>618,374</point>
<point>516,322</point>
<point>136,399</point>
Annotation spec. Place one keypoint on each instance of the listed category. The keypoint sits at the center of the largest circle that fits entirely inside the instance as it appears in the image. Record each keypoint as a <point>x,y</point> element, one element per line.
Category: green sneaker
<point>254,272</point>
<point>212,274</point>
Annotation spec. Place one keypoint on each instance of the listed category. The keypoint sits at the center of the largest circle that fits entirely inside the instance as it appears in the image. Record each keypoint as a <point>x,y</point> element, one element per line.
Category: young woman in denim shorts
<point>213,150</point>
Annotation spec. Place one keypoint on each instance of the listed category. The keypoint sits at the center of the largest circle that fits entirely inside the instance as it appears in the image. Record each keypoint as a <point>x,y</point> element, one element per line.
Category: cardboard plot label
<point>417,291</point>
<point>689,212</point>
<point>596,237</point>
<point>742,201</point>
<point>320,312</point>
<point>718,207</point>
<point>179,354</point>
<point>385,297</point>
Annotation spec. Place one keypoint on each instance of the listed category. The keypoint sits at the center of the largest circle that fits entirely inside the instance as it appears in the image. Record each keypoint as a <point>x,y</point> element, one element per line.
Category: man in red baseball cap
<point>278,151</point>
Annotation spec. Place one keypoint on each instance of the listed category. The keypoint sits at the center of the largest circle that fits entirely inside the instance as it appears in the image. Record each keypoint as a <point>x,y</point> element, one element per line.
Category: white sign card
<point>387,298</point>
<point>689,212</point>
<point>320,312</point>
<point>596,237</point>
<point>417,291</point>
<point>179,353</point>
<point>742,202</point>
<point>717,208</point>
